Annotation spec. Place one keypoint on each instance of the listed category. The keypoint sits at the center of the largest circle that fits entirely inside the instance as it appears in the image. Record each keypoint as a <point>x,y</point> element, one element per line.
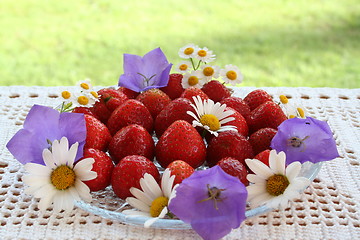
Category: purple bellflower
<point>42,126</point>
<point>212,201</point>
<point>305,140</point>
<point>143,73</point>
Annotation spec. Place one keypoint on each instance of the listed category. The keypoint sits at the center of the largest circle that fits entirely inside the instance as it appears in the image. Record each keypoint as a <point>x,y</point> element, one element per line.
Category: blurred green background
<point>274,43</point>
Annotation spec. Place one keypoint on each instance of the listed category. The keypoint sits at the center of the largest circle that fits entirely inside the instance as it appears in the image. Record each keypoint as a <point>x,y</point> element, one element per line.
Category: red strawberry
<point>256,98</point>
<point>181,141</point>
<point>103,166</point>
<point>110,99</point>
<point>155,100</point>
<point>97,134</point>
<point>238,104</point>
<point>239,122</point>
<point>131,112</point>
<point>261,139</point>
<point>128,172</point>
<point>181,170</point>
<point>191,92</point>
<point>216,91</point>
<point>268,114</point>
<point>128,92</point>
<point>228,144</point>
<point>234,168</point>
<point>263,156</point>
<point>85,110</point>
<point>174,88</point>
<point>176,110</point>
<point>131,140</point>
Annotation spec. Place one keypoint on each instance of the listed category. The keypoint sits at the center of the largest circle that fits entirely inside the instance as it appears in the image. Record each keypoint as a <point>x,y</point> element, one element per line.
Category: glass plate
<point>107,205</point>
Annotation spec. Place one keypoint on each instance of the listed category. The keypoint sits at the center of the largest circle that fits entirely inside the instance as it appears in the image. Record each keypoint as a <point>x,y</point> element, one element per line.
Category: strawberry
<point>97,134</point>
<point>228,144</point>
<point>239,122</point>
<point>256,98</point>
<point>238,104</point>
<point>131,112</point>
<point>85,110</point>
<point>155,100</point>
<point>216,91</point>
<point>103,166</point>
<point>268,114</point>
<point>128,92</point>
<point>181,170</point>
<point>174,88</point>
<point>131,140</point>
<point>261,139</point>
<point>128,172</point>
<point>190,92</point>
<point>263,156</point>
<point>234,168</point>
<point>180,141</point>
<point>176,110</point>
<point>109,100</point>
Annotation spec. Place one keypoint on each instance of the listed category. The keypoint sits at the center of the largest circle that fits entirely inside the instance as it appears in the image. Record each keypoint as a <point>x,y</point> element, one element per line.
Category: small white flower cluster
<point>196,75</point>
<point>83,96</point>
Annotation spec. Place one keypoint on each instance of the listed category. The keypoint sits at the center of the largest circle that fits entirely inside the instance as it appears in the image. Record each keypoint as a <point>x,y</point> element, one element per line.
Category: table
<point>328,209</point>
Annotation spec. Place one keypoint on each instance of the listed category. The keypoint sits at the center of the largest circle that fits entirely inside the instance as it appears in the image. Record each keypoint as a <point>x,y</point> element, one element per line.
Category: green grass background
<point>274,43</point>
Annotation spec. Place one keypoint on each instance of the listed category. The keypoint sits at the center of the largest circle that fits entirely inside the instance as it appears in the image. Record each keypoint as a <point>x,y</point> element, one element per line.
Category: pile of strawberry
<point>121,124</point>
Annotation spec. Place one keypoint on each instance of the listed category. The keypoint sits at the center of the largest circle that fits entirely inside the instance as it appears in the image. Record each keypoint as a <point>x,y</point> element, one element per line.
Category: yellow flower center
<point>66,94</point>
<point>277,184</point>
<point>84,86</point>
<point>208,71</point>
<point>63,177</point>
<point>183,67</point>
<point>188,50</point>
<point>283,99</point>
<point>158,205</point>
<point>211,121</point>
<point>292,116</point>
<point>95,95</point>
<point>232,75</point>
<point>202,53</point>
<point>193,80</point>
<point>83,100</point>
<point>301,112</point>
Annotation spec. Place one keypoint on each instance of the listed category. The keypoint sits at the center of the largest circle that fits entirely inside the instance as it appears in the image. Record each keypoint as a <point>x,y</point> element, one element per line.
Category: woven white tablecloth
<point>328,209</point>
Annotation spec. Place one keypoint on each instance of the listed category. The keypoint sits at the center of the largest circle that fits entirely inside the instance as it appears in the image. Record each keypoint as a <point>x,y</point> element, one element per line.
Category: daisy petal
<point>259,168</point>
<point>136,203</point>
<point>141,196</point>
<point>293,170</point>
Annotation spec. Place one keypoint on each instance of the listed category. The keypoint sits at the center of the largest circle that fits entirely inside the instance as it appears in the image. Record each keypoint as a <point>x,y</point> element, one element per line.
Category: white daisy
<point>59,181</point>
<point>152,200</point>
<point>85,84</point>
<point>183,66</point>
<point>83,96</point>
<point>209,72</point>
<point>205,55</point>
<point>291,110</point>
<point>84,99</point>
<point>188,51</point>
<point>192,79</point>
<point>211,116</point>
<point>231,74</point>
<point>274,185</point>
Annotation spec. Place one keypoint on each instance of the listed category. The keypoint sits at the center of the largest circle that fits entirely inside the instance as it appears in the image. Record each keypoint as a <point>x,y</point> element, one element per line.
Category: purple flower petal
<point>205,219</point>
<point>43,124</point>
<point>312,140</point>
<point>142,73</point>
